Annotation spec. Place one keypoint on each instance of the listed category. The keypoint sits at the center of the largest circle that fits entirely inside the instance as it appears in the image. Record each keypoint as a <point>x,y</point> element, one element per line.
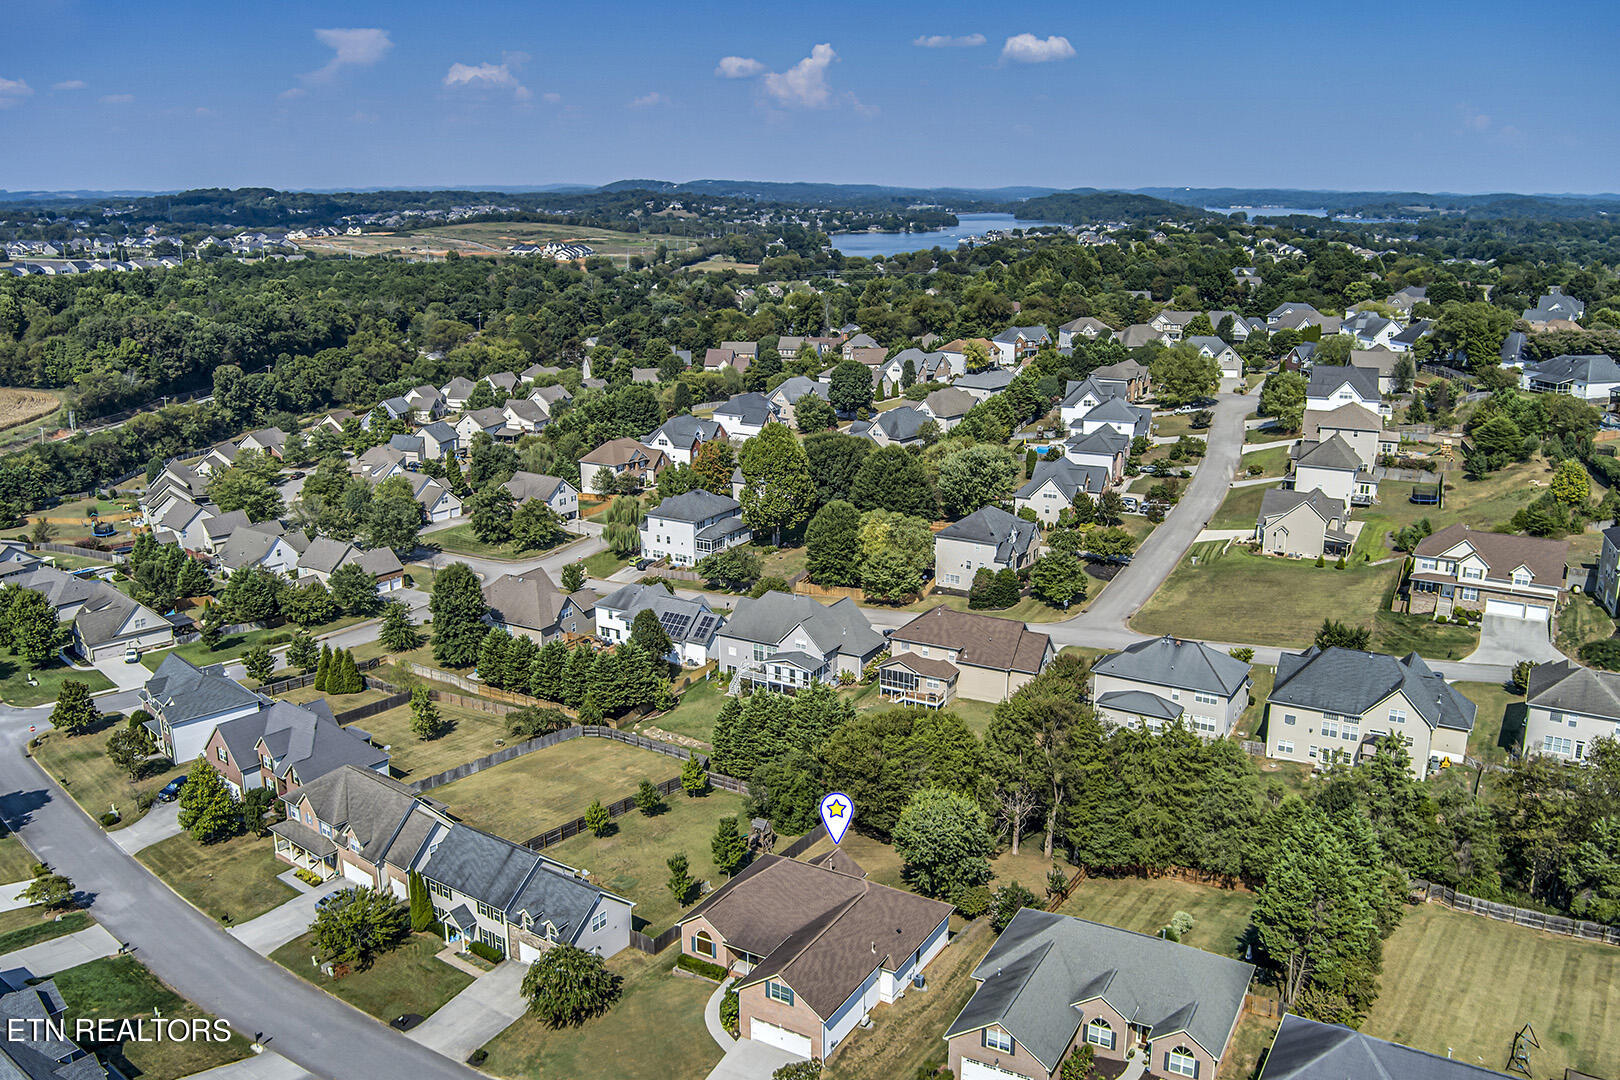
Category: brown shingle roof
<point>622,451</point>
<point>1503,553</point>
<point>979,640</point>
<point>1345,417</point>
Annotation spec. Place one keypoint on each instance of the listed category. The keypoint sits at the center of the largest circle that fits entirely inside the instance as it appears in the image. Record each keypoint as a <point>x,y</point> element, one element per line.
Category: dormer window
<point>1521,577</point>
<point>997,1039</point>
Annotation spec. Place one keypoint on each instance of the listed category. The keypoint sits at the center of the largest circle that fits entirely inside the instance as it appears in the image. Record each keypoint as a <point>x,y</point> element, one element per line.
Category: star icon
<point>836,809</point>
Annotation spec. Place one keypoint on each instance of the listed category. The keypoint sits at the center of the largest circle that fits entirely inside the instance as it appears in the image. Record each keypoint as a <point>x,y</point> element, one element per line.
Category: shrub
<point>974,901</point>
<point>1244,655</point>
<point>110,818</point>
<point>701,967</point>
<point>730,1008</point>
<point>1007,902</point>
<point>144,801</point>
<point>308,877</point>
<point>485,952</point>
<point>478,1057</point>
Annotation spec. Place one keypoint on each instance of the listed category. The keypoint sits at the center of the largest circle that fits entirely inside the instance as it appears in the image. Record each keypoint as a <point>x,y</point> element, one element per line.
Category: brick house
<point>1497,573</point>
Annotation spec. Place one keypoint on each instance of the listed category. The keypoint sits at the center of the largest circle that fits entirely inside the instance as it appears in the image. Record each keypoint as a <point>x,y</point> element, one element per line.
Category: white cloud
<point>70,84</point>
<point>551,97</point>
<point>488,77</point>
<point>946,41</point>
<point>648,100</point>
<point>117,99</point>
<point>1473,119</point>
<point>804,85</point>
<point>12,91</point>
<point>1029,49</point>
<point>738,67</point>
<point>292,92</point>
<point>353,47</point>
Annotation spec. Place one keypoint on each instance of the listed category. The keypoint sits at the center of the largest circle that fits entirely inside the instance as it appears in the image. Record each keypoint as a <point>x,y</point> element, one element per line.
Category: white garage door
<point>1504,607</point>
<point>355,873</point>
<point>977,1070</point>
<point>1536,614</point>
<point>781,1038</point>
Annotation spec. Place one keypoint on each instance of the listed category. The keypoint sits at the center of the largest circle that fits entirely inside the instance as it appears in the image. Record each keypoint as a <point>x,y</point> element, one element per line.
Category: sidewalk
<point>477,1014</point>
<point>270,931</point>
<point>160,823</point>
<point>58,954</point>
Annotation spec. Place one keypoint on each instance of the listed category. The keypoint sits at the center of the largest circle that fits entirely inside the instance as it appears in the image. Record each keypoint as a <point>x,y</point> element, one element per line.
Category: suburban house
<point>902,426</point>
<point>1055,483</point>
<point>1016,344</point>
<point>1172,324</point>
<point>1514,348</point>
<point>790,391</point>
<point>525,414</point>
<point>1334,385</point>
<point>985,384</point>
<point>333,420</point>
<point>1105,448</point>
<point>956,353</point>
<point>456,392</point>
<point>926,367</point>
<point>1133,373</point>
<point>283,745</point>
<point>1497,573</point>
<point>1137,335</point>
<point>1409,337</point>
<point>858,341</point>
<point>378,464</point>
<point>1152,683</point>
<point>720,359</point>
<point>530,605</point>
<point>1335,469</point>
<point>784,642</point>
<point>626,460</point>
<point>947,406</point>
<point>105,622</point>
<point>989,538</point>
<point>256,546</point>
<point>1569,707</point>
<point>815,945</point>
<point>1335,704</point>
<point>1225,357</point>
<point>1117,413</point>
<point>1304,524</point>
<point>373,831</point>
<point>1592,378</point>
<point>1311,1050</point>
<point>439,503</point>
<point>324,556</point>
<point>187,702</point>
<point>267,441</point>
<point>34,1033</point>
<point>1084,328</point>
<point>1361,428</point>
<point>1080,397</point>
<point>426,402</point>
<point>490,421</point>
<point>1381,360</point>
<point>561,497</point>
<point>408,447</point>
<point>1554,309</point>
<point>679,437</point>
<point>1369,330</point>
<point>745,415</point>
<point>685,528</point>
<point>690,624</point>
<point>1053,983</point>
<point>1607,590</point>
<point>944,654</point>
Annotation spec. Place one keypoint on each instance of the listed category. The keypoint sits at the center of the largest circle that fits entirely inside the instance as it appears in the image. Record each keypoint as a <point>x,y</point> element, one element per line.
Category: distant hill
<point>865,195</point>
<point>1398,203</point>
<point>1085,206</point>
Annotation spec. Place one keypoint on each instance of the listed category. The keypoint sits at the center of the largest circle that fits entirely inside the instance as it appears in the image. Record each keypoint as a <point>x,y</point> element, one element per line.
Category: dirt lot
<point>19,406</point>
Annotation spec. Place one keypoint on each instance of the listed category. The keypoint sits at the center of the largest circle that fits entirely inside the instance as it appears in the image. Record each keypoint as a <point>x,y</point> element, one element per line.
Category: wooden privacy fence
<point>1536,920</point>
<point>654,944</point>
<point>1270,1008</point>
<point>615,809</point>
<point>108,557</point>
<point>381,705</point>
<point>804,843</point>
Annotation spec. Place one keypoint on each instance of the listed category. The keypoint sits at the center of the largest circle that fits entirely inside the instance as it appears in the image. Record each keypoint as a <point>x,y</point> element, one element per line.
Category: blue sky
<point>284,93</point>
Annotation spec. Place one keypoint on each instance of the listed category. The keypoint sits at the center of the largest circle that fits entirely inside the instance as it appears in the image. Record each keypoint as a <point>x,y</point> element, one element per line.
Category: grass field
<point>1464,984</point>
<point>471,735</point>
<point>694,715</point>
<point>1496,705</point>
<point>1273,461</point>
<point>656,1009</point>
<point>1582,621</point>
<point>119,986</point>
<point>410,979</point>
<point>1220,916</point>
<point>14,688</point>
<point>80,764</point>
<point>27,926</point>
<point>520,798</point>
<point>1483,503</point>
<point>604,564</point>
<point>231,881</point>
<point>494,237</point>
<point>19,405</point>
<point>630,860</point>
<point>1249,723</point>
<point>459,540</point>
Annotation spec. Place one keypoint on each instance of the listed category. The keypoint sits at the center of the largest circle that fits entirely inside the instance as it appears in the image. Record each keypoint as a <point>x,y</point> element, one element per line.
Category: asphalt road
<point>188,950</point>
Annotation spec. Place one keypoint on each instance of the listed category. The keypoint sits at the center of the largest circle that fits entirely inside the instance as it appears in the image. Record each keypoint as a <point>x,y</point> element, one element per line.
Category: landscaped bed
<point>232,881</point>
<point>409,979</point>
<point>80,764</point>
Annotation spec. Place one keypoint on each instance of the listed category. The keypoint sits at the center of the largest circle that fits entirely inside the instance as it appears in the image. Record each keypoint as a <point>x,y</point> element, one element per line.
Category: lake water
<point>967,226</point>
<point>1266,211</point>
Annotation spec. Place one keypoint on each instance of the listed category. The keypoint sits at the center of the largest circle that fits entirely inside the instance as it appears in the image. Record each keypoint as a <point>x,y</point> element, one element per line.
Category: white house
<point>687,527</point>
<point>1226,357</point>
<point>1591,378</point>
<point>1333,386</point>
<point>690,624</point>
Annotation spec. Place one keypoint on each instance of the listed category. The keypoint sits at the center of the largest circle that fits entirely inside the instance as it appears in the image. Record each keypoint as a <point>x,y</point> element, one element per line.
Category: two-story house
<point>902,426</point>
<point>1056,482</point>
<point>1304,524</point>
<point>1152,683</point>
<point>989,538</point>
<point>1083,395</point>
<point>1569,708</point>
<point>1497,573</point>
<point>530,605</point>
<point>1333,704</point>
<point>1362,430</point>
<point>283,745</point>
<point>1127,419</point>
<point>1333,468</point>
<point>1084,328</point>
<point>685,528</point>
<point>561,497</point>
<point>631,465</point>
<point>679,437</point>
<point>783,642</point>
<point>690,624</point>
<point>1105,448</point>
<point>1607,591</point>
<point>187,702</point>
<point>745,415</point>
<point>1333,386</point>
<point>1017,344</point>
<point>1225,357</point>
<point>944,654</point>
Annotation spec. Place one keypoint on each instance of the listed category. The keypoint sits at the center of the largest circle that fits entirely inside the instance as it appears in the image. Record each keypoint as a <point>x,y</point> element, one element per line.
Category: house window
<point>1289,719</point>
<point>1313,751</point>
<point>1098,1033</point>
<point>1520,578</point>
<point>220,753</point>
<point>326,830</point>
<point>997,1039</point>
<point>1204,725</point>
<point>600,920</point>
<point>1349,731</point>
<point>486,911</point>
<point>1330,728</point>
<point>1553,744</point>
<point>1204,698</point>
<point>1285,748</point>
<point>702,944</point>
<point>1474,573</point>
<point>438,890</point>
<point>1180,1062</point>
<point>1470,593</point>
<point>492,939</point>
<point>779,992</point>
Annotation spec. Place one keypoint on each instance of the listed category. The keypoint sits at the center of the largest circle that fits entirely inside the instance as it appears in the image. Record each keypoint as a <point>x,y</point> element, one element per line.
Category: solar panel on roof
<point>706,625</point>
<point>674,622</point>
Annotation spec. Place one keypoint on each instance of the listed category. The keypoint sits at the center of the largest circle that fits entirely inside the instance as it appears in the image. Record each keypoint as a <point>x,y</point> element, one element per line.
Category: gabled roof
<point>1071,477</point>
<point>753,410</point>
<point>1351,681</point>
<point>1044,965</point>
<point>682,620</point>
<point>1105,440</point>
<point>622,452</point>
<point>301,740</point>
<point>439,431</point>
<point>902,424</point>
<point>769,619</point>
<point>1140,703</point>
<point>792,389</point>
<point>1567,687</point>
<point>686,429</point>
<point>527,485</point>
<point>1334,453</point>
<point>1503,553</point>
<point>1279,501</point>
<point>106,613</point>
<point>1327,378</point>
<point>1028,333</point>
<point>1125,370</point>
<point>1310,1050</point>
<point>1116,410</point>
<point>1099,389</point>
<point>991,380</point>
<point>694,506</point>
<point>949,402</point>
<point>979,640</point>
<point>1009,534</point>
<point>1587,368</point>
<point>531,600</point>
<point>1205,341</point>
<point>511,878</point>
<point>1350,417</point>
<point>182,691</point>
<point>1186,665</point>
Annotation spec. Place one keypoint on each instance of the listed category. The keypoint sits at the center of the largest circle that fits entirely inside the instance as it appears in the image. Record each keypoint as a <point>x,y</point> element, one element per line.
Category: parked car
<point>642,564</point>
<point>1130,503</point>
<point>132,655</point>
<point>171,790</point>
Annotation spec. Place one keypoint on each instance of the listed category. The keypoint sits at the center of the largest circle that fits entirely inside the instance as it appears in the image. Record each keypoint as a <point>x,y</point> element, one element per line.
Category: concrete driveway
<point>122,675</point>
<point>1506,640</point>
<point>57,954</point>
<point>476,1015</point>
<point>160,823</point>
<point>270,931</point>
<point>750,1060</point>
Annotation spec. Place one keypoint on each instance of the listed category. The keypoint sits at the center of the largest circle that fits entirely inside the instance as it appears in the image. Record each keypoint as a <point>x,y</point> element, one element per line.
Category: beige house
<point>1336,469</point>
<point>943,654</point>
<point>1331,705</point>
<point>1152,683</point>
<point>1570,708</point>
<point>624,459</point>
<point>530,605</point>
<point>989,538</point>
<point>1496,573</point>
<point>1303,524</point>
<point>1361,429</point>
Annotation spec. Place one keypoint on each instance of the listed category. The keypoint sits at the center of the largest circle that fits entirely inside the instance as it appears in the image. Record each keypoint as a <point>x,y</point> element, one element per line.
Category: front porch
<point>304,848</point>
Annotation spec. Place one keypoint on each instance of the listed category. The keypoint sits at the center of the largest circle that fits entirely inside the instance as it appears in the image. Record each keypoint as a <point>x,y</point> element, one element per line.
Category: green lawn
<point>410,979</point>
<point>604,564</point>
<point>471,736</point>
<point>1582,621</point>
<point>14,688</point>
<point>1397,633</point>
<point>1500,712</point>
<point>16,861</point>
<point>1265,435</point>
<point>233,647</point>
<point>783,562</point>
<point>1464,984</point>
<point>693,716</point>
<point>231,881</point>
<point>32,925</point>
<point>654,1032</point>
<point>630,860</point>
<point>1248,724</point>
<point>1272,461</point>
<point>530,794</point>
<point>1240,508</point>
<point>339,702</point>
<point>80,764</point>
<point>119,986</point>
<point>1486,503</point>
<point>459,540</point>
<point>1220,916</point>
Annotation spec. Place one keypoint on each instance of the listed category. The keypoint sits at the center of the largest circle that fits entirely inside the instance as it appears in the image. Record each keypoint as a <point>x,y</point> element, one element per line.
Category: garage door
<point>1536,614</point>
<point>977,1070</point>
<point>781,1038</point>
<point>355,873</point>
<point>1504,607</point>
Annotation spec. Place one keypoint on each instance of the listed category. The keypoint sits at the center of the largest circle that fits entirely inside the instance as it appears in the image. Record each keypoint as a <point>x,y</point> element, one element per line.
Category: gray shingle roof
<point>1310,1050</point>
<point>991,381</point>
<point>511,878</point>
<point>1587,368</point>
<point>1334,453</point>
<point>902,424</point>
<point>182,691</point>
<point>1105,440</point>
<point>753,410</point>
<point>685,429</point>
<point>1186,665</point>
<point>1327,378</point>
<point>1140,703</point>
<point>1278,501</point>
<point>1070,477</point>
<point>1044,965</point>
<point>531,600</point>
<point>1567,687</point>
<point>1100,389</point>
<point>299,739</point>
<point>1351,682</point>
<point>694,506</point>
<point>770,618</point>
<point>1010,534</point>
<point>683,620</point>
<point>791,390</point>
<point>527,485</point>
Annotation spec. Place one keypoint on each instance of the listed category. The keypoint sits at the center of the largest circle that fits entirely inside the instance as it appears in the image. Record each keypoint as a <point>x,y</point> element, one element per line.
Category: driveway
<point>57,954</point>
<point>270,931</point>
<point>122,675</point>
<point>265,1066</point>
<point>487,1007</point>
<point>160,823</point>
<point>1506,640</point>
<point>750,1060</point>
